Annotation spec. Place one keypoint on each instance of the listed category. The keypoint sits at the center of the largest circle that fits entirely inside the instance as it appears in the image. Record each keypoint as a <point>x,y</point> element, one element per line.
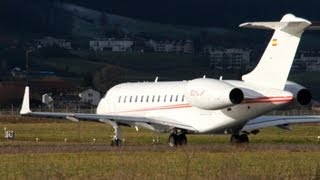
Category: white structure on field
<point>90,96</point>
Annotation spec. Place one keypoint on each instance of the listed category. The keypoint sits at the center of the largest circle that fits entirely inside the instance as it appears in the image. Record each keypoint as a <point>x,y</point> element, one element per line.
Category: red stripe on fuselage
<point>285,99</point>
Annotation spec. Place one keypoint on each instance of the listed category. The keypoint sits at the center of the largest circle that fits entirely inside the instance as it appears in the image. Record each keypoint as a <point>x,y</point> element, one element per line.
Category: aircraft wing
<point>120,119</point>
<point>279,121</point>
<point>164,123</point>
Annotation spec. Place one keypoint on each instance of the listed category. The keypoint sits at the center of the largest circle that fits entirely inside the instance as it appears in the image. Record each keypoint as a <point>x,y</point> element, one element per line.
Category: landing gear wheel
<point>239,139</point>
<point>173,140</point>
<point>234,139</point>
<point>116,142</point>
<point>182,139</point>
<point>243,138</point>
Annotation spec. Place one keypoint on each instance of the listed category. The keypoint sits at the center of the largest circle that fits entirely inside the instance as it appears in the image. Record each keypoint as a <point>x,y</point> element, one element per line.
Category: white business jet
<point>204,105</point>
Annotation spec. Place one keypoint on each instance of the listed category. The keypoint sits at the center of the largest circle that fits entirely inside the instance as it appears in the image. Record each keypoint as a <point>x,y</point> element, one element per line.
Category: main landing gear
<point>239,139</point>
<point>177,139</point>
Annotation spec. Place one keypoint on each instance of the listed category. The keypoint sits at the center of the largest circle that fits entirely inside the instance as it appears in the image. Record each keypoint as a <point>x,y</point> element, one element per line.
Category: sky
<point>206,12</point>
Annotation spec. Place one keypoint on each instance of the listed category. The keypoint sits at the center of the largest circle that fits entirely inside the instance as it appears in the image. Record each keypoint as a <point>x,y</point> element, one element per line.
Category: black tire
<point>173,140</point>
<point>234,139</point>
<point>116,142</point>
<point>182,139</point>
<point>244,139</point>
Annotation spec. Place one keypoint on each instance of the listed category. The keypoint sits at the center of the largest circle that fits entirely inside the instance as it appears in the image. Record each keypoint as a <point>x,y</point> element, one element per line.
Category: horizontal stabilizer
<point>288,21</point>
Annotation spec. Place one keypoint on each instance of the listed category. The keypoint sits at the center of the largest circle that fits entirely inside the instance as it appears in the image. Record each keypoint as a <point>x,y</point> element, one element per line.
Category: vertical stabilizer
<point>273,69</point>
<point>25,109</point>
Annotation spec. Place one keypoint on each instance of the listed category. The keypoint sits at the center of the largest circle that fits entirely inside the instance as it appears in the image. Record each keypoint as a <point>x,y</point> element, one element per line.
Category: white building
<point>162,46</point>
<point>111,44</point>
<point>90,96</point>
<point>229,59</point>
<point>307,62</point>
<point>182,46</point>
<point>50,41</point>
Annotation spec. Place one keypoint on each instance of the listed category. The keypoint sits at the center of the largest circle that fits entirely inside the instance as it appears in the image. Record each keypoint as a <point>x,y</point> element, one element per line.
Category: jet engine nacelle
<point>302,96</point>
<point>211,94</point>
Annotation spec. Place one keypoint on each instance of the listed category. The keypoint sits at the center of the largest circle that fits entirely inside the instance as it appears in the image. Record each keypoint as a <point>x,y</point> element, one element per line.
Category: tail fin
<point>25,109</point>
<point>273,69</point>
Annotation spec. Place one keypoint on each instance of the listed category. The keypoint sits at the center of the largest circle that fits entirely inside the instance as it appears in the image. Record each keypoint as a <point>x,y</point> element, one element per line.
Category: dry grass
<point>273,154</point>
<point>172,164</point>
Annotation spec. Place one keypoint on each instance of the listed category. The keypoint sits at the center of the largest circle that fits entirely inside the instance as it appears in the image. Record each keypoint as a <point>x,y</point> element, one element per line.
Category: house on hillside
<point>90,96</point>
<point>229,59</point>
<point>111,44</point>
<point>162,46</point>
<point>181,46</point>
<point>50,42</point>
<point>307,61</point>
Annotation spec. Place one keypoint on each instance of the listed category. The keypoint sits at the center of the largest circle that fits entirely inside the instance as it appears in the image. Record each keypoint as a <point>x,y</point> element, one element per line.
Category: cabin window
<point>136,100</point>
<point>153,98</point>
<point>165,98</point>
<point>125,99</point>
<point>177,96</point>
<point>141,98</point>
<point>147,100</point>
<point>159,98</point>
<point>182,99</point>
<point>119,100</point>
<point>171,97</point>
<point>130,99</point>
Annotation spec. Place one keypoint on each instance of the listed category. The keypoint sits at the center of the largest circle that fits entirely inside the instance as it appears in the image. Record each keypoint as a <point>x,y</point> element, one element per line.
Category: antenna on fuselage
<point>204,76</point>
<point>220,79</point>
<point>156,80</point>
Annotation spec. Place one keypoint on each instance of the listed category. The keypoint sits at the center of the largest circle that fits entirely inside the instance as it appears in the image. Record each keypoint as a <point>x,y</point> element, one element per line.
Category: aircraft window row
<point>154,98</point>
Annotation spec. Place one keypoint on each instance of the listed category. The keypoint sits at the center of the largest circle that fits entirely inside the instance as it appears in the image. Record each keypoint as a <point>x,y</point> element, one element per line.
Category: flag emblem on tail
<point>274,42</point>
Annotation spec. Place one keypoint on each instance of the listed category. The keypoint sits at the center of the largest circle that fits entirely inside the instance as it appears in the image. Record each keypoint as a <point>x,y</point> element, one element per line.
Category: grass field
<point>272,154</point>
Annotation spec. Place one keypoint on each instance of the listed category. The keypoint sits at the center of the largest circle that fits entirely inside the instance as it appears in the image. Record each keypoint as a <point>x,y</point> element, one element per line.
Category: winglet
<point>25,109</point>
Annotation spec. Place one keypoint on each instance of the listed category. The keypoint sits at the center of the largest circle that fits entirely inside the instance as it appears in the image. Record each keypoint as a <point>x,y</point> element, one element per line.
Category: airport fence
<point>16,110</point>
